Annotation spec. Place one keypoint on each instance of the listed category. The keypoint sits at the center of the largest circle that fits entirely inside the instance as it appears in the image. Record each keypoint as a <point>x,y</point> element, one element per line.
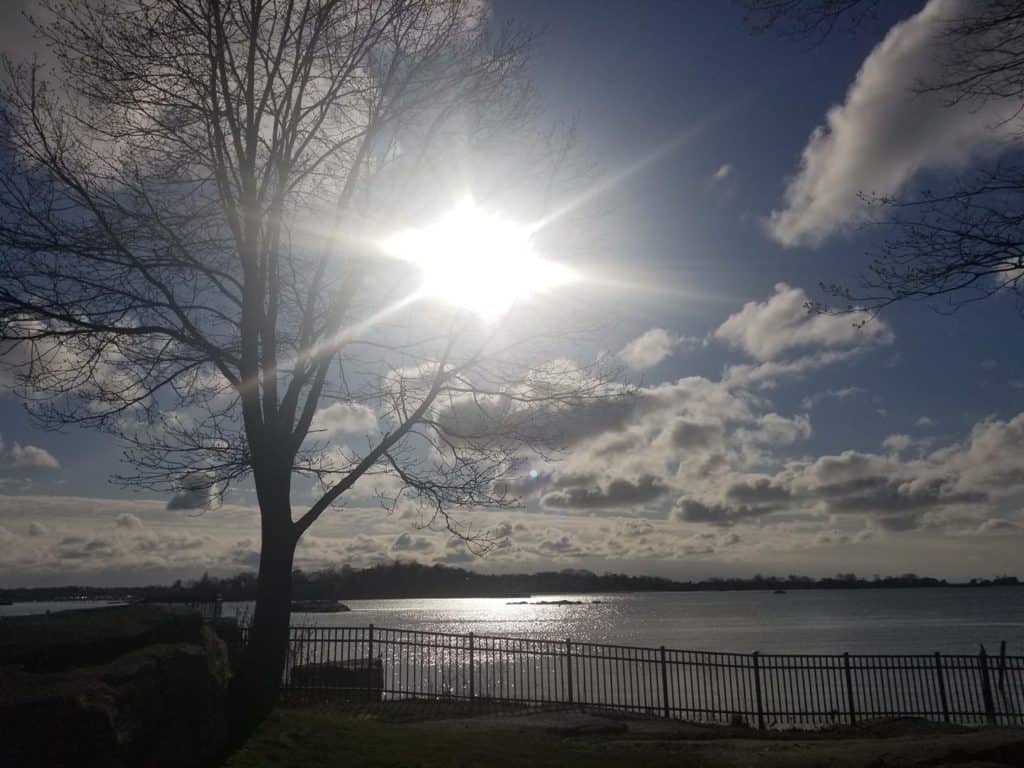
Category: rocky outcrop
<point>128,686</point>
<point>351,680</point>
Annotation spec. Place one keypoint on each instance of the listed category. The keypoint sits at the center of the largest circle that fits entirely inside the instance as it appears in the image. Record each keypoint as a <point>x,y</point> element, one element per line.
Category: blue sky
<point>914,407</point>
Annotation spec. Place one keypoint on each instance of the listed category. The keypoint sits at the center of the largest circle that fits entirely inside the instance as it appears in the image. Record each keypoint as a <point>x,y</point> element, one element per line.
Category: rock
<point>161,703</point>
<point>56,721</point>
<point>353,679</point>
<point>56,641</point>
<point>231,635</point>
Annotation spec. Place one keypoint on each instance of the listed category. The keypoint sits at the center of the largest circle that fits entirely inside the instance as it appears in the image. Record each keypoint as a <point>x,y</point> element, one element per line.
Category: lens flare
<point>477,261</point>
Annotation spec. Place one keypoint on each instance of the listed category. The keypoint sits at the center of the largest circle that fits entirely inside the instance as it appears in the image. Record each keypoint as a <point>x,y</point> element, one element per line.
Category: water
<point>781,692</point>
<point>32,609</point>
<point>949,620</point>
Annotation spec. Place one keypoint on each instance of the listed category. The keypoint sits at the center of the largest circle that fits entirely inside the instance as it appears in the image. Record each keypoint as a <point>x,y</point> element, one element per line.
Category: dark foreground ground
<point>404,735</point>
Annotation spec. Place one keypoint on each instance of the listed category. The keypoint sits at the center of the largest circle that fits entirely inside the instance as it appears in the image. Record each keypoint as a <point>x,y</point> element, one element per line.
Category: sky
<point>763,439</point>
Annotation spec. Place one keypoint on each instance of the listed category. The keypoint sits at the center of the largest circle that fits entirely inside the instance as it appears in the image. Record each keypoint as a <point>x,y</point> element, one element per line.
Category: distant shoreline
<point>397,580</point>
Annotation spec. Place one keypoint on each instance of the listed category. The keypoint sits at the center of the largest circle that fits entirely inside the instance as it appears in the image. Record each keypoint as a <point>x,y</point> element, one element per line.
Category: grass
<point>313,737</point>
<point>439,734</point>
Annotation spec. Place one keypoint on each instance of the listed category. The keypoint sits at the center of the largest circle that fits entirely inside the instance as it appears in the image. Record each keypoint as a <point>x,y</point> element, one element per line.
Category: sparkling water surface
<point>951,620</point>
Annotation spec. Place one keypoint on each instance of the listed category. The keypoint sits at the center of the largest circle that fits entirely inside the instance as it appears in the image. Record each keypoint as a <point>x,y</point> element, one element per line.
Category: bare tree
<point>965,242</point>
<point>185,215</point>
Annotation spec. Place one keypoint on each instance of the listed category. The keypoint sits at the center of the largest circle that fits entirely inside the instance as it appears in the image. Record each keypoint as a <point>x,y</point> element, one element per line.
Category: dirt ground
<point>890,744</point>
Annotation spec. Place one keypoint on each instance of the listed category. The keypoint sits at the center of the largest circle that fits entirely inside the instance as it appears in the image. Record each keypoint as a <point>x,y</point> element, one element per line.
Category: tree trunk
<point>266,652</point>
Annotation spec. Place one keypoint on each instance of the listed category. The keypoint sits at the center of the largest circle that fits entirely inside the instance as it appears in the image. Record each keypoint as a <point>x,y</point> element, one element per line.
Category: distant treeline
<point>400,579</point>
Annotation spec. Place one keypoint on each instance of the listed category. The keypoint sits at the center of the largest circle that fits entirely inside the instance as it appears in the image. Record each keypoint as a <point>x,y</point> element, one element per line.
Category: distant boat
<point>779,592</point>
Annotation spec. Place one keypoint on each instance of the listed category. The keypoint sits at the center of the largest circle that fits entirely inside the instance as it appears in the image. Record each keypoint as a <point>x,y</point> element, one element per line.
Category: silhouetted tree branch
<point>812,20</point>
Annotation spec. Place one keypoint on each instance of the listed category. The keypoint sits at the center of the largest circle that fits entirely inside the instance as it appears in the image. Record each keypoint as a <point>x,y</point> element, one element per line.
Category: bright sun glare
<point>478,261</point>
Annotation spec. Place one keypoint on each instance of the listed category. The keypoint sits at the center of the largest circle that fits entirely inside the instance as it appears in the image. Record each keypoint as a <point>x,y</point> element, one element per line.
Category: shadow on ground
<point>446,735</point>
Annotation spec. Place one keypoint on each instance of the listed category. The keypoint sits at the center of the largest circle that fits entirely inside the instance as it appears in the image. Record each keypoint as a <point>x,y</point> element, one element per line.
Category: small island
<point>319,606</point>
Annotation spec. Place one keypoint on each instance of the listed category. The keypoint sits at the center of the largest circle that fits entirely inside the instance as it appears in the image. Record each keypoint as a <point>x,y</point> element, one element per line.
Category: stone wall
<point>141,685</point>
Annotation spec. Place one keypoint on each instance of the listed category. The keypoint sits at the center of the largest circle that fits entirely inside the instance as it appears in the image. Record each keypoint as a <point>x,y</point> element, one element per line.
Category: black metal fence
<point>763,690</point>
<point>208,609</point>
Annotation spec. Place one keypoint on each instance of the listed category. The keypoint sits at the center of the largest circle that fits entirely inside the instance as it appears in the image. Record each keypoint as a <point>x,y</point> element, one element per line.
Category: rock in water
<point>319,606</point>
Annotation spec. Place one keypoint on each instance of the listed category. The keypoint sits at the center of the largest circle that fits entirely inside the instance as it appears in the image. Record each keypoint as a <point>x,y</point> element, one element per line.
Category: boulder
<point>67,639</point>
<point>160,702</point>
<point>351,680</point>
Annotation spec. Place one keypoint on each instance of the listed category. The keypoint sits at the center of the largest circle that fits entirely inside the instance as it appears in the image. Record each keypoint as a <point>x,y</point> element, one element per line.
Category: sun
<point>478,261</point>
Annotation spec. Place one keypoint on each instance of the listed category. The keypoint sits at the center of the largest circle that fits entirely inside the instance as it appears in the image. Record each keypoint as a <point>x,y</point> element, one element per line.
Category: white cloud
<point>952,487</point>
<point>343,418</point>
<point>619,493</point>
<point>31,456</point>
<point>897,443</point>
<point>406,543</point>
<point>723,172</point>
<point>843,393</point>
<point>885,133</point>
<point>649,349</point>
<point>676,471</point>
<point>773,429</point>
<point>197,492</point>
<point>766,375</point>
<point>925,422</point>
<point>766,330</point>
<point>26,456</point>
<point>999,526</point>
<point>128,520</point>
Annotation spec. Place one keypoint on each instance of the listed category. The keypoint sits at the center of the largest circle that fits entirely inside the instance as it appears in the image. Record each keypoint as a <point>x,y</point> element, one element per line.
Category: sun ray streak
<point>608,182</point>
<point>343,336</point>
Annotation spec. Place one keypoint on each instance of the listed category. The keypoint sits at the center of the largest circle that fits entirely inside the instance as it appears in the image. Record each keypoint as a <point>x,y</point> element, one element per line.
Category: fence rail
<point>764,690</point>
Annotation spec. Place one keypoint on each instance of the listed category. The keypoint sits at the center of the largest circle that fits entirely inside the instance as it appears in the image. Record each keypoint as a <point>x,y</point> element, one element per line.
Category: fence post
<point>472,676</point>
<point>850,706</point>
<point>757,689</point>
<point>369,664</point>
<point>986,687</point>
<point>942,686</point>
<point>1002,667</point>
<point>568,667</point>
<point>664,684</point>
